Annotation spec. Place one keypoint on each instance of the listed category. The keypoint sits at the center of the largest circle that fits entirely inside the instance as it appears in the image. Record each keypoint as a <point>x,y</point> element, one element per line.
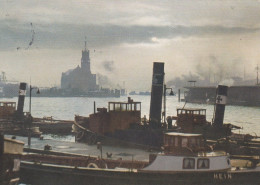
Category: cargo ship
<point>8,89</point>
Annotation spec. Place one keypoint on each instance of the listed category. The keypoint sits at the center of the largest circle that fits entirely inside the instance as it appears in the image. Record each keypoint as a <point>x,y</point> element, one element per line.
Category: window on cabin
<point>130,107</point>
<point>188,163</point>
<point>203,164</point>
<point>176,141</point>
<point>111,107</point>
<point>198,141</point>
<point>123,107</point>
<point>172,141</point>
<point>184,142</point>
<point>192,142</point>
<point>138,106</point>
<point>117,107</point>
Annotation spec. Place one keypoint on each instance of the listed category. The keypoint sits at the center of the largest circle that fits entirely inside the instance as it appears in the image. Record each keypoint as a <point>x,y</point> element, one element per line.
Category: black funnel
<point>156,94</point>
<point>22,93</point>
<point>221,100</point>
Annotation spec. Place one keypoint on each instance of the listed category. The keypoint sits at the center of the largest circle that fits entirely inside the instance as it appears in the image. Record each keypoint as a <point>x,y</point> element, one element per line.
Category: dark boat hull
<point>144,138</point>
<point>43,174</point>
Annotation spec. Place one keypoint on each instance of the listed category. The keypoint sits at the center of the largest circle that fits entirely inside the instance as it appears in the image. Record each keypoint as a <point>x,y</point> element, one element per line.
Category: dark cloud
<point>14,34</point>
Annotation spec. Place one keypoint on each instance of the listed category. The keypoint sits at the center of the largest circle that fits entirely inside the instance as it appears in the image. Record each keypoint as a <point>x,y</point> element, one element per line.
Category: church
<point>80,78</point>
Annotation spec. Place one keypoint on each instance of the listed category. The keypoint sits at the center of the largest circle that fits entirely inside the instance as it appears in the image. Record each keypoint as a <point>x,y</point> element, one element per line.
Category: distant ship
<point>238,95</point>
<point>8,89</point>
<point>80,82</point>
<point>241,93</point>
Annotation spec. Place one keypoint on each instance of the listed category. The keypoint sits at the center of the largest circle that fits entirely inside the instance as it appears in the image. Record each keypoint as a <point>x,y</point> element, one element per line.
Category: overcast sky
<point>41,39</point>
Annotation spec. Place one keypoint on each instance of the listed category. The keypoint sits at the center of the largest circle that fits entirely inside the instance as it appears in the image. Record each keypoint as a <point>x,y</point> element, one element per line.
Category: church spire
<point>85,60</point>
<point>85,43</point>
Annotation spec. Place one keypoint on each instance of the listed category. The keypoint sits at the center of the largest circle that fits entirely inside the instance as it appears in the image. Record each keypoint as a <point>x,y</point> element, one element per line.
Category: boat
<point>8,89</point>
<point>238,95</point>
<point>49,125</point>
<point>17,122</point>
<point>120,124</point>
<point>185,160</point>
<point>10,156</point>
<point>11,124</point>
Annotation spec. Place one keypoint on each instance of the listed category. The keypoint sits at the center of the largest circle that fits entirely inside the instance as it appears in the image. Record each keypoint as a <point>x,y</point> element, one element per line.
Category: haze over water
<point>66,108</point>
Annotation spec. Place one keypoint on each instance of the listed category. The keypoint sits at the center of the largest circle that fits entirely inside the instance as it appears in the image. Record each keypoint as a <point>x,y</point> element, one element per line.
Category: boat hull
<point>44,174</point>
<point>145,138</point>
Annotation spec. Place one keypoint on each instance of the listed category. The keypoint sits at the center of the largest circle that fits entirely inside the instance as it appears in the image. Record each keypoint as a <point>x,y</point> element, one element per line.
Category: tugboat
<point>185,160</point>
<point>17,122</point>
<point>120,123</point>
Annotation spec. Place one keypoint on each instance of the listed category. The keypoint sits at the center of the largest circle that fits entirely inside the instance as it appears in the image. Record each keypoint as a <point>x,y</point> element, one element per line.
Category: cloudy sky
<point>41,39</point>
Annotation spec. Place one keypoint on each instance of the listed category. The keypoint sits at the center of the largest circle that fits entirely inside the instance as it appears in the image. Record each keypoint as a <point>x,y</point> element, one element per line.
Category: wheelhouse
<point>183,143</point>
<point>188,119</point>
<point>7,109</point>
<point>130,105</point>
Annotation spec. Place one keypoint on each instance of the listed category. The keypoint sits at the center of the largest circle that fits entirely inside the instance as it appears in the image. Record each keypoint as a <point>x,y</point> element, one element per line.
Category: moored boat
<point>120,123</point>
<point>185,160</point>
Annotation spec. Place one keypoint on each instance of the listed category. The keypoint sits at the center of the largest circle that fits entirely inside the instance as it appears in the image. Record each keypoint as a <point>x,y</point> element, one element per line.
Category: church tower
<point>85,60</point>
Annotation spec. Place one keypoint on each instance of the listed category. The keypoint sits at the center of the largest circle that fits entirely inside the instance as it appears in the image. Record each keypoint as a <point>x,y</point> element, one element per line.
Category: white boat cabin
<point>187,153</point>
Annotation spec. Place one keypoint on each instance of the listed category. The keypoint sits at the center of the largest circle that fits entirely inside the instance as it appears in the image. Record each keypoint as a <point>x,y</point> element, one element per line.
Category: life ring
<point>98,163</point>
<point>92,165</point>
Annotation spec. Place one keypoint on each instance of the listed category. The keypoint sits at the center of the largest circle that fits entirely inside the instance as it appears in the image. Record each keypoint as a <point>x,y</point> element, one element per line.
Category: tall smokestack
<point>22,92</point>
<point>156,94</point>
<point>221,101</point>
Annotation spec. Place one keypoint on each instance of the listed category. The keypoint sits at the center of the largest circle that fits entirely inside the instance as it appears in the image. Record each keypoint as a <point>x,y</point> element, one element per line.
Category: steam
<point>108,65</point>
<point>213,70</point>
<point>104,81</point>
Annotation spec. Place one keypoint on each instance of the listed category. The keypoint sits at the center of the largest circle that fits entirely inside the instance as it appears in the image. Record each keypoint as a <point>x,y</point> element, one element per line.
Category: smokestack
<point>221,100</point>
<point>156,94</point>
<point>22,93</point>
